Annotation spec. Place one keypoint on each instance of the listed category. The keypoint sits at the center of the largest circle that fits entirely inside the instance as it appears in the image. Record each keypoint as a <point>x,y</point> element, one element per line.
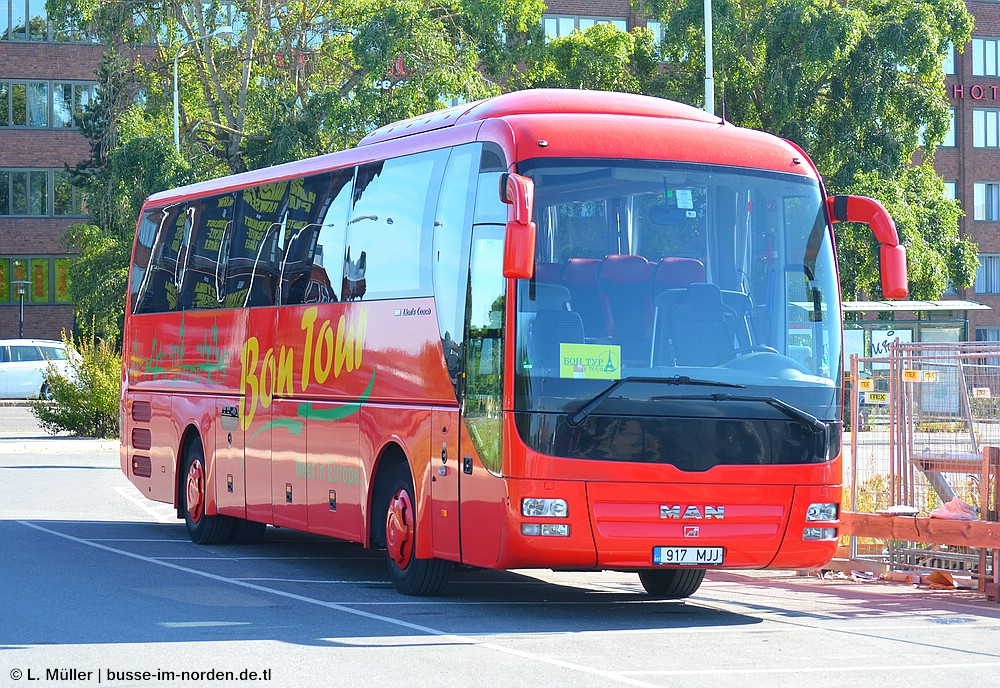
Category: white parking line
<point>833,670</point>
<point>465,640</point>
<point>158,514</point>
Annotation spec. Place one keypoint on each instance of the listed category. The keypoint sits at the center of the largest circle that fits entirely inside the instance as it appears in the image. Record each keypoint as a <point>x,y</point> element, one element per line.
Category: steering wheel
<point>756,348</point>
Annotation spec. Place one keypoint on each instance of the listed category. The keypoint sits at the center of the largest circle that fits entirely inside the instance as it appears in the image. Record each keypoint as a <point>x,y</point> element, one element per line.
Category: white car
<point>23,364</point>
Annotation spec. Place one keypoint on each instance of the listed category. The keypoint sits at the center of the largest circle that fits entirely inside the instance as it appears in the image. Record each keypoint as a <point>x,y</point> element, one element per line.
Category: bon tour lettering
<point>325,352</point>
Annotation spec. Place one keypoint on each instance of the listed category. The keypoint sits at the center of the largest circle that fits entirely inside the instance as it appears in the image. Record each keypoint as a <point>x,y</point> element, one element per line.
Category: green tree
<point>859,85</point>
<point>602,58</point>
<point>296,79</point>
<point>127,163</point>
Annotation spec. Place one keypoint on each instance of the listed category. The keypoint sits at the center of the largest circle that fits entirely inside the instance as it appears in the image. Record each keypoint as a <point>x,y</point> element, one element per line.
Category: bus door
<point>446,471</point>
<point>482,398</point>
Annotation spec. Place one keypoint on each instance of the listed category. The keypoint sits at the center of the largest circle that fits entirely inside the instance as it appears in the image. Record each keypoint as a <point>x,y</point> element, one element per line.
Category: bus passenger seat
<point>624,285</point>
<point>541,296</point>
<point>580,277</point>
<point>548,330</point>
<point>677,273</point>
<point>694,327</point>
<point>549,273</point>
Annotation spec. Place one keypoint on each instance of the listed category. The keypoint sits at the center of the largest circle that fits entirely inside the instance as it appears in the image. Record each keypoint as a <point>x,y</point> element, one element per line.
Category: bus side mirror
<point>519,244</point>
<point>892,254</point>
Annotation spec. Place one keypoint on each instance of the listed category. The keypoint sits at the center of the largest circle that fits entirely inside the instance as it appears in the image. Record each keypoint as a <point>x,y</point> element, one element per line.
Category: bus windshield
<point>674,305</point>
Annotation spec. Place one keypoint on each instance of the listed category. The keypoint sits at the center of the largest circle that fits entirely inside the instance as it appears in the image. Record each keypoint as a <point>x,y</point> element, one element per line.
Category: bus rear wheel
<point>671,584</point>
<point>410,575</point>
<point>246,532</point>
<point>202,528</point>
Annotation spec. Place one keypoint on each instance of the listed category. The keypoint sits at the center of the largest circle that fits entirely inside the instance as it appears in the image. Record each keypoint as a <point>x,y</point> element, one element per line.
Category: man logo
<point>692,531</point>
<point>698,512</point>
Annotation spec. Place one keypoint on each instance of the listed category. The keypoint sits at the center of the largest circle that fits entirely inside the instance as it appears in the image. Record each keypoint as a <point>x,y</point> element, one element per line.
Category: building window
<point>66,198</point>
<point>949,136</point>
<point>984,56</point>
<point>558,26</point>
<point>26,20</point>
<point>988,274</point>
<point>951,190</point>
<point>656,28</point>
<point>49,277</point>
<point>948,66</point>
<point>32,193</point>
<point>70,100</point>
<point>43,104</point>
<point>986,201</point>
<point>986,128</point>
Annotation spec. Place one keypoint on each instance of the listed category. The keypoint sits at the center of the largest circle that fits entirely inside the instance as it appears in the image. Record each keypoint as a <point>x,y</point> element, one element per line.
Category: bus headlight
<point>534,507</point>
<point>822,512</point>
<point>819,533</point>
<point>551,529</point>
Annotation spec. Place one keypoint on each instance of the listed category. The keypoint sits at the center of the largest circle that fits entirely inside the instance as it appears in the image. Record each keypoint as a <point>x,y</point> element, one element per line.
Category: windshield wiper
<point>807,419</point>
<point>585,410</point>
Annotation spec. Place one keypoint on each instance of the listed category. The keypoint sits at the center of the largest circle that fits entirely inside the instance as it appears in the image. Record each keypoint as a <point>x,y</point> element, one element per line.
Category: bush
<point>86,401</point>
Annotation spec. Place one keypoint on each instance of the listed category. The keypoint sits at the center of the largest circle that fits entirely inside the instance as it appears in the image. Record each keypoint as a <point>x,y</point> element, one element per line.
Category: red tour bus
<point>552,329</point>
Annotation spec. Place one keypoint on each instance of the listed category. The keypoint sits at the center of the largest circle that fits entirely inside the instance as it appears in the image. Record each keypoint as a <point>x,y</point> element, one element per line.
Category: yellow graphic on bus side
<point>590,361</point>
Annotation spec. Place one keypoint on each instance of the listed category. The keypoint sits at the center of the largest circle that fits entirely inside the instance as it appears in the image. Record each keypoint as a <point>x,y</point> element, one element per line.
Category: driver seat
<point>694,327</point>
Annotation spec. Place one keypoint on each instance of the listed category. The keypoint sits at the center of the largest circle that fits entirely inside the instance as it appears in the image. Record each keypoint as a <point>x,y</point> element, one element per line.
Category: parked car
<point>23,366</point>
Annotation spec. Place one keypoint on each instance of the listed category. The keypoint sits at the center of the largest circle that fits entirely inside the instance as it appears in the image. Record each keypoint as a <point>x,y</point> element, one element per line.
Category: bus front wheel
<point>410,575</point>
<point>671,584</point>
<point>202,528</point>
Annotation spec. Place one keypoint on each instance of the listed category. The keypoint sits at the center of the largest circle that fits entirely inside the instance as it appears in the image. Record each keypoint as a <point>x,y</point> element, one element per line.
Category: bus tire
<point>671,584</point>
<point>202,528</point>
<point>410,575</point>
<point>246,532</point>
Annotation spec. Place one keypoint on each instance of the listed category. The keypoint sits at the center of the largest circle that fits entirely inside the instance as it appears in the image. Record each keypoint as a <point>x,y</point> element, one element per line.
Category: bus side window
<point>315,227</point>
<point>451,246</point>
<point>163,229</point>
<point>484,346</point>
<point>390,231</point>
<point>254,267</point>
<point>489,208</point>
<point>202,285</point>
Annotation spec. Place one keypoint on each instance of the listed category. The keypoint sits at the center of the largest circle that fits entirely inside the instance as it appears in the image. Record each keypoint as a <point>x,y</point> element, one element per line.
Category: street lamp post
<point>221,32</point>
<point>709,68</point>
<point>22,288</point>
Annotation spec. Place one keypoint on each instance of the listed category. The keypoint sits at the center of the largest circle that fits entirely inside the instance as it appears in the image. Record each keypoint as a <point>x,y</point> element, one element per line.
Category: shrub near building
<point>84,402</point>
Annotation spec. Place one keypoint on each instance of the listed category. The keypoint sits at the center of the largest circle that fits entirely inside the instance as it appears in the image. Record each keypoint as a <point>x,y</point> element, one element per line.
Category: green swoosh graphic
<point>307,411</point>
<point>339,412</point>
<point>293,426</point>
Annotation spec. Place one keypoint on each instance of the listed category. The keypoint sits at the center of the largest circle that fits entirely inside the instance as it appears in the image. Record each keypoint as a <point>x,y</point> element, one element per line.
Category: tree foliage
<point>601,58</point>
<point>853,83</point>
<point>859,85</point>
<point>296,79</point>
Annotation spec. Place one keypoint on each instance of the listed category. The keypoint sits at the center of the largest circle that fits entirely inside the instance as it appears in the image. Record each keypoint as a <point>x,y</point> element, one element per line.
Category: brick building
<point>45,77</point>
<point>969,161</point>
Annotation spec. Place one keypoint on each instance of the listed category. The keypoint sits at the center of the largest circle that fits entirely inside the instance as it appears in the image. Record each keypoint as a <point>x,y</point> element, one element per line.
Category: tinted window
<point>160,238</point>
<point>315,228</point>
<point>390,230</point>
<point>201,274</point>
<point>451,250</point>
<point>253,261</point>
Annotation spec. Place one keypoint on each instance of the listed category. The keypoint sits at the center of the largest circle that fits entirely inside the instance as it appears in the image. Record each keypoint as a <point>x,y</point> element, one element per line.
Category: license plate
<point>688,556</point>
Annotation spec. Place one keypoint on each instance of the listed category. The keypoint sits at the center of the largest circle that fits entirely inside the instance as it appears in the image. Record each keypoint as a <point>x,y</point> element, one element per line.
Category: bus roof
<point>575,122</point>
<point>542,102</point>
